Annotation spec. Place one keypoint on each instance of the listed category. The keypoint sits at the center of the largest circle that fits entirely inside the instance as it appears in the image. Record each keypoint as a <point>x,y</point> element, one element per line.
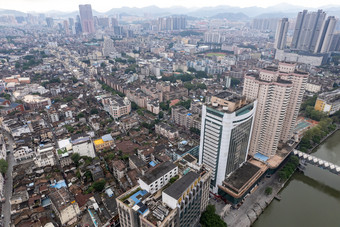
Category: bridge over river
<point>317,162</point>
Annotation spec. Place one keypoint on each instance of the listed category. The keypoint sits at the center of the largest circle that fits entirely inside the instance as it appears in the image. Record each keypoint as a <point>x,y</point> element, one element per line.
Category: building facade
<point>281,34</point>
<point>313,32</point>
<point>279,92</point>
<point>328,102</point>
<point>64,206</point>
<point>180,204</point>
<point>83,145</point>
<point>225,134</point>
<point>86,18</point>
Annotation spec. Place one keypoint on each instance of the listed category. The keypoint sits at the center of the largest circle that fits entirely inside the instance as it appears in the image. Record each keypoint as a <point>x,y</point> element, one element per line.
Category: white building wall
<point>163,180</point>
<point>213,154</point>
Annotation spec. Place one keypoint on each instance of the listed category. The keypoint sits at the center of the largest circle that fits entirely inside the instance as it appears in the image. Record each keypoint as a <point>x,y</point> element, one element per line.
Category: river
<point>311,198</point>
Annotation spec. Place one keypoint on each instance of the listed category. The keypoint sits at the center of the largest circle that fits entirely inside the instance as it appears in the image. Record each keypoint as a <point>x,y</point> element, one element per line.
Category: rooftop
<point>157,172</point>
<point>61,198</point>
<point>98,141</point>
<point>241,175</point>
<point>177,189</point>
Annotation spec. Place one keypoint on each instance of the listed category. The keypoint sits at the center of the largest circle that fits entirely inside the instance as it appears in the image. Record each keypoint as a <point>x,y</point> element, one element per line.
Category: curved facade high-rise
<point>225,135</point>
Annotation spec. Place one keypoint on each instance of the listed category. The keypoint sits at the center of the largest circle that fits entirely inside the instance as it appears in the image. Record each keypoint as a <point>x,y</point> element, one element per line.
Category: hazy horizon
<point>104,5</point>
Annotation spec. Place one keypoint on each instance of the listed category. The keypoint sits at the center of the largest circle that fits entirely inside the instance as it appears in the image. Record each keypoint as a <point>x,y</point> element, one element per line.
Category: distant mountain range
<point>228,12</point>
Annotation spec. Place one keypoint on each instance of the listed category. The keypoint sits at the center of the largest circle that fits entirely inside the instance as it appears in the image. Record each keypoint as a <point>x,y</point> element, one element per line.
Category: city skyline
<point>103,5</point>
<point>169,116</point>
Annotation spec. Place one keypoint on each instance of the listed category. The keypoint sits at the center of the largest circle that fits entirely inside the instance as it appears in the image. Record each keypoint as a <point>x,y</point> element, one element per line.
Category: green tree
<point>80,115</point>
<point>134,106</point>
<point>210,219</point>
<point>94,111</point>
<point>99,185</point>
<point>164,105</point>
<point>185,104</point>
<point>195,130</point>
<point>69,128</point>
<point>74,80</point>
<point>234,82</point>
<point>268,191</point>
<point>3,166</point>
<point>189,86</point>
<point>160,114</point>
<point>201,74</point>
<point>191,69</point>
<point>201,86</point>
<point>75,158</point>
<point>282,175</point>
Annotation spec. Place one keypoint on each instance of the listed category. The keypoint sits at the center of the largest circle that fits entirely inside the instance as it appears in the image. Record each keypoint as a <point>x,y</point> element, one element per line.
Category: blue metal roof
<point>152,163</point>
<point>261,157</point>
<point>107,137</point>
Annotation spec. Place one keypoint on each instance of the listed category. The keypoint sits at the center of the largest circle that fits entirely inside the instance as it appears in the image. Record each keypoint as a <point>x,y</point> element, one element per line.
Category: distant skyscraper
<point>72,25</point>
<point>326,35</point>
<point>279,92</point>
<point>172,23</point>
<point>225,134</point>
<point>77,25</point>
<point>212,37</point>
<point>335,45</point>
<point>114,22</point>
<point>66,27</point>
<point>108,46</point>
<point>307,30</point>
<point>104,22</point>
<point>49,22</point>
<point>86,18</point>
<point>264,24</point>
<point>281,34</point>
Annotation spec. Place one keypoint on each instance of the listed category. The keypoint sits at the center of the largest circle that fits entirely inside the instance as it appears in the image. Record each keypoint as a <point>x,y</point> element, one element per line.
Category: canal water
<point>311,198</point>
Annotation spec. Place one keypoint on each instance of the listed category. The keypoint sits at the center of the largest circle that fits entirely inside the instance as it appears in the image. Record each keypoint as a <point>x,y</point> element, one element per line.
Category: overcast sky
<point>105,5</point>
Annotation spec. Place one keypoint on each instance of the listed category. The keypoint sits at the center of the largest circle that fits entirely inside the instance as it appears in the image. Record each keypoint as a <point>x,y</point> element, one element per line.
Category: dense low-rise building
<point>179,203</point>
<point>166,131</point>
<point>45,156</point>
<point>105,142</point>
<point>117,106</point>
<point>36,101</point>
<point>328,102</point>
<point>183,117</point>
<point>82,144</point>
<point>64,206</point>
<point>156,178</point>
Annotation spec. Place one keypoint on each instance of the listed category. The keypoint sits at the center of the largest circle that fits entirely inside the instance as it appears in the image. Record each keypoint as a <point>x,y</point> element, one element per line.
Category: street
<point>6,206</point>
<point>254,203</point>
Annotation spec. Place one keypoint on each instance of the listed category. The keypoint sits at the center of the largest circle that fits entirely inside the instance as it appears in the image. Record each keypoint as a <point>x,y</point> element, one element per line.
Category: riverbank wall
<point>257,202</point>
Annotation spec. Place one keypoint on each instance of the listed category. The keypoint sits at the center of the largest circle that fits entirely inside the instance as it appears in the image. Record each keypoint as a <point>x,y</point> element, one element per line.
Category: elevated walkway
<point>317,162</point>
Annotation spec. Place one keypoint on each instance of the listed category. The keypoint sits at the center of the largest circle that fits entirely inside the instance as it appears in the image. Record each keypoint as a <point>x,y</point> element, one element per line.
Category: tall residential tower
<point>313,32</point>
<point>326,35</point>
<point>279,92</point>
<point>281,34</point>
<point>86,18</point>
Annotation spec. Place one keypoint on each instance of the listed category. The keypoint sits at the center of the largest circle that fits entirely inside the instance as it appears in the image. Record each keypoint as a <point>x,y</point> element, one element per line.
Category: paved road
<point>6,206</point>
<point>238,217</point>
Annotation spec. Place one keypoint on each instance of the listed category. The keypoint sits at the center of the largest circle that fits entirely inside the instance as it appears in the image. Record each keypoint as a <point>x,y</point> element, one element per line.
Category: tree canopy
<point>75,158</point>
<point>209,218</point>
<point>3,166</point>
<point>99,185</point>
